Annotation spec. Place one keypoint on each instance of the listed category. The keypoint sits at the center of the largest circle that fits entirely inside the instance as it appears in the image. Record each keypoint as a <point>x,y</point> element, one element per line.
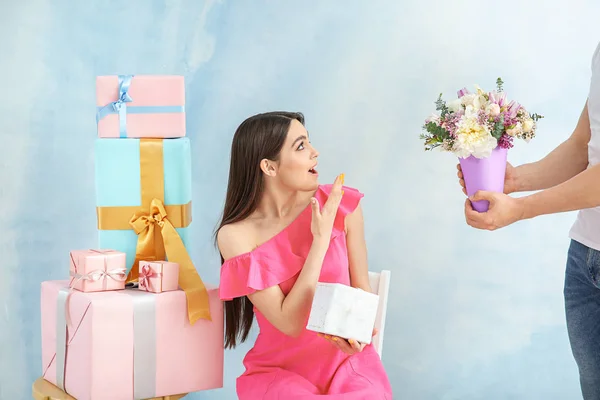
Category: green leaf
<point>435,137</point>
<point>498,128</point>
<point>440,105</point>
<point>499,84</point>
<point>536,117</point>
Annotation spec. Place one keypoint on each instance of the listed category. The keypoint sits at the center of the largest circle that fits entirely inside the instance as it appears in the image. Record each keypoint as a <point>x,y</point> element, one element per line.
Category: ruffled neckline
<point>275,237</point>
<point>282,256</point>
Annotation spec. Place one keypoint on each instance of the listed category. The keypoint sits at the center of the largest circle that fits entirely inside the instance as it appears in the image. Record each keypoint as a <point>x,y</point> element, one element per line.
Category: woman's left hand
<point>349,346</point>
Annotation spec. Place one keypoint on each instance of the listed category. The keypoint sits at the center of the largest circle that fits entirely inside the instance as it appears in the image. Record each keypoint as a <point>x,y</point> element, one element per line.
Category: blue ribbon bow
<point>119,106</point>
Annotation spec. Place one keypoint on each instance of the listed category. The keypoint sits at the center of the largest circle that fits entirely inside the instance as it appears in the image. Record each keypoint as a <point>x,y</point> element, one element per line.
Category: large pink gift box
<point>140,106</point>
<point>97,270</point>
<point>129,344</point>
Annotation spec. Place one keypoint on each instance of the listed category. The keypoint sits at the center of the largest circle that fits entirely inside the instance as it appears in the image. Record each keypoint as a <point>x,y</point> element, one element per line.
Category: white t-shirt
<point>586,228</point>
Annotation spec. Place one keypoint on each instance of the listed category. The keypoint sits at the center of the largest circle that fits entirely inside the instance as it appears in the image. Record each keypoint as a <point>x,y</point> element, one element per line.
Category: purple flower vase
<point>484,174</point>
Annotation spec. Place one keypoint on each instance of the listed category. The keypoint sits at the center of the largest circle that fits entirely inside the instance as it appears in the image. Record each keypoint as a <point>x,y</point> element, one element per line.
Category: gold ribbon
<point>117,218</point>
<point>155,224</point>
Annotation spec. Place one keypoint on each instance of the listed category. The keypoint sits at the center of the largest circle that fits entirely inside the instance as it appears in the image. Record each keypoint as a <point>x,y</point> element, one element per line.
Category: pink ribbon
<point>144,277</point>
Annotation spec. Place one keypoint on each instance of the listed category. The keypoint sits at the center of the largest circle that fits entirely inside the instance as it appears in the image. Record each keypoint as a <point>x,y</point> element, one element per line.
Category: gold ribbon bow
<point>156,235</point>
<point>150,246</point>
<point>155,226</point>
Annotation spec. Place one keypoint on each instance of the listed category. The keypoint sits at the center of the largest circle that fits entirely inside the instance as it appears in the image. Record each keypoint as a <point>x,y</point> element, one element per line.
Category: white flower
<point>527,125</point>
<point>470,111</point>
<point>493,110</point>
<point>479,89</point>
<point>475,100</point>
<point>473,139</point>
<point>515,131</point>
<point>455,105</point>
<point>467,99</point>
<point>479,101</point>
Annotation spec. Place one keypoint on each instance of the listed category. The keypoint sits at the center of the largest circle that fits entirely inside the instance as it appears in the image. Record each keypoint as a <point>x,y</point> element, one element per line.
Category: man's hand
<point>503,210</point>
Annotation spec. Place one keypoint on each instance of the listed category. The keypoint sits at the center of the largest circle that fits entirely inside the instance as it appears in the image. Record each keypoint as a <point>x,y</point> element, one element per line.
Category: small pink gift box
<point>158,276</point>
<point>97,270</point>
<point>140,106</point>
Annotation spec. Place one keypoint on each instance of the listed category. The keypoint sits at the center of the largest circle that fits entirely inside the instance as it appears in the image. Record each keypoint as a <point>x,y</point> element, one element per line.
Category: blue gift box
<point>130,174</point>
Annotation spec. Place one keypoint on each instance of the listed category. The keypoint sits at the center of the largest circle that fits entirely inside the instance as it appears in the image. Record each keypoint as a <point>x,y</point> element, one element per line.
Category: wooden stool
<point>44,390</point>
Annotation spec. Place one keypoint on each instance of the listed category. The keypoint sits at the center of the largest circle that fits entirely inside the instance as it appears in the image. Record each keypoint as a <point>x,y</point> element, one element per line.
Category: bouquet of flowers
<point>479,128</point>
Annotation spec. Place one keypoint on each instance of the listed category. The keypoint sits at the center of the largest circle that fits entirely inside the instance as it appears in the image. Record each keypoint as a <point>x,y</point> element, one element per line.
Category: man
<point>567,179</point>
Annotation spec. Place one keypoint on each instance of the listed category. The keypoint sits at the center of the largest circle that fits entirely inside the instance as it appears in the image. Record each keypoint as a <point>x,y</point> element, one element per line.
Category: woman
<point>281,232</point>
<point>568,180</point>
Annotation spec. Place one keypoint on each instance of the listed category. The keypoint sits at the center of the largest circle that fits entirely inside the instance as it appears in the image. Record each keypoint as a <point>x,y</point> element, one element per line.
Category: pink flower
<point>508,120</point>
<point>451,122</point>
<point>513,109</point>
<point>505,142</point>
<point>462,92</point>
<point>482,117</point>
<point>498,98</point>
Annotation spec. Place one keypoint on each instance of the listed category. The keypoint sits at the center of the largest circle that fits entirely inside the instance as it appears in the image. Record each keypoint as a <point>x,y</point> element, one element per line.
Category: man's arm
<point>580,192</point>
<point>563,163</point>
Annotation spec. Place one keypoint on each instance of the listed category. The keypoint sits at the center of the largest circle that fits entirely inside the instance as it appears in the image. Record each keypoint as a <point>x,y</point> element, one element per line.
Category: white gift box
<point>343,311</point>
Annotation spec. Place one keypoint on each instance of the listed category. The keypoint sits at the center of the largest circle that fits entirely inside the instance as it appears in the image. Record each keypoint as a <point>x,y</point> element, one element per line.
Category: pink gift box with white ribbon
<point>97,270</point>
<point>128,344</point>
<point>158,276</point>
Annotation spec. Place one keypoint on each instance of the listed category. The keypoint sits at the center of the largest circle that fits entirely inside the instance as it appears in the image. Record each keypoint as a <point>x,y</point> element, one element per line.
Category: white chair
<point>380,285</point>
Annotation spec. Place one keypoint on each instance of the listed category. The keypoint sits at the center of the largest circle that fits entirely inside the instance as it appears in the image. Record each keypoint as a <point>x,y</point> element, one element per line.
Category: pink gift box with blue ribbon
<point>140,106</point>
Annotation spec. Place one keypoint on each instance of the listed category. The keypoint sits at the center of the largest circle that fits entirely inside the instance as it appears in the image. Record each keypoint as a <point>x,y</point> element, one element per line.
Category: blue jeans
<point>582,305</point>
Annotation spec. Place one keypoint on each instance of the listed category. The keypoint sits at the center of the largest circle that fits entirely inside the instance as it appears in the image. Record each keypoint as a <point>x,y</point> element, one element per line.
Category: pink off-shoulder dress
<point>306,367</point>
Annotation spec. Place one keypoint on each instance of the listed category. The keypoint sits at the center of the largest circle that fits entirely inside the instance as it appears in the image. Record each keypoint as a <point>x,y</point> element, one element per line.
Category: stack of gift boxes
<point>135,320</point>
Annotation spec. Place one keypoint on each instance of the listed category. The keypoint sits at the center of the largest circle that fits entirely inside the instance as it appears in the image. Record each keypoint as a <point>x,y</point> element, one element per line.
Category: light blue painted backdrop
<point>472,315</point>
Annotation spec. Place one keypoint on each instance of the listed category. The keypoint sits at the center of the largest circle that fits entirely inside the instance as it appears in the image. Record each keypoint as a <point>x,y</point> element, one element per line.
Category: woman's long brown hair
<point>258,137</point>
